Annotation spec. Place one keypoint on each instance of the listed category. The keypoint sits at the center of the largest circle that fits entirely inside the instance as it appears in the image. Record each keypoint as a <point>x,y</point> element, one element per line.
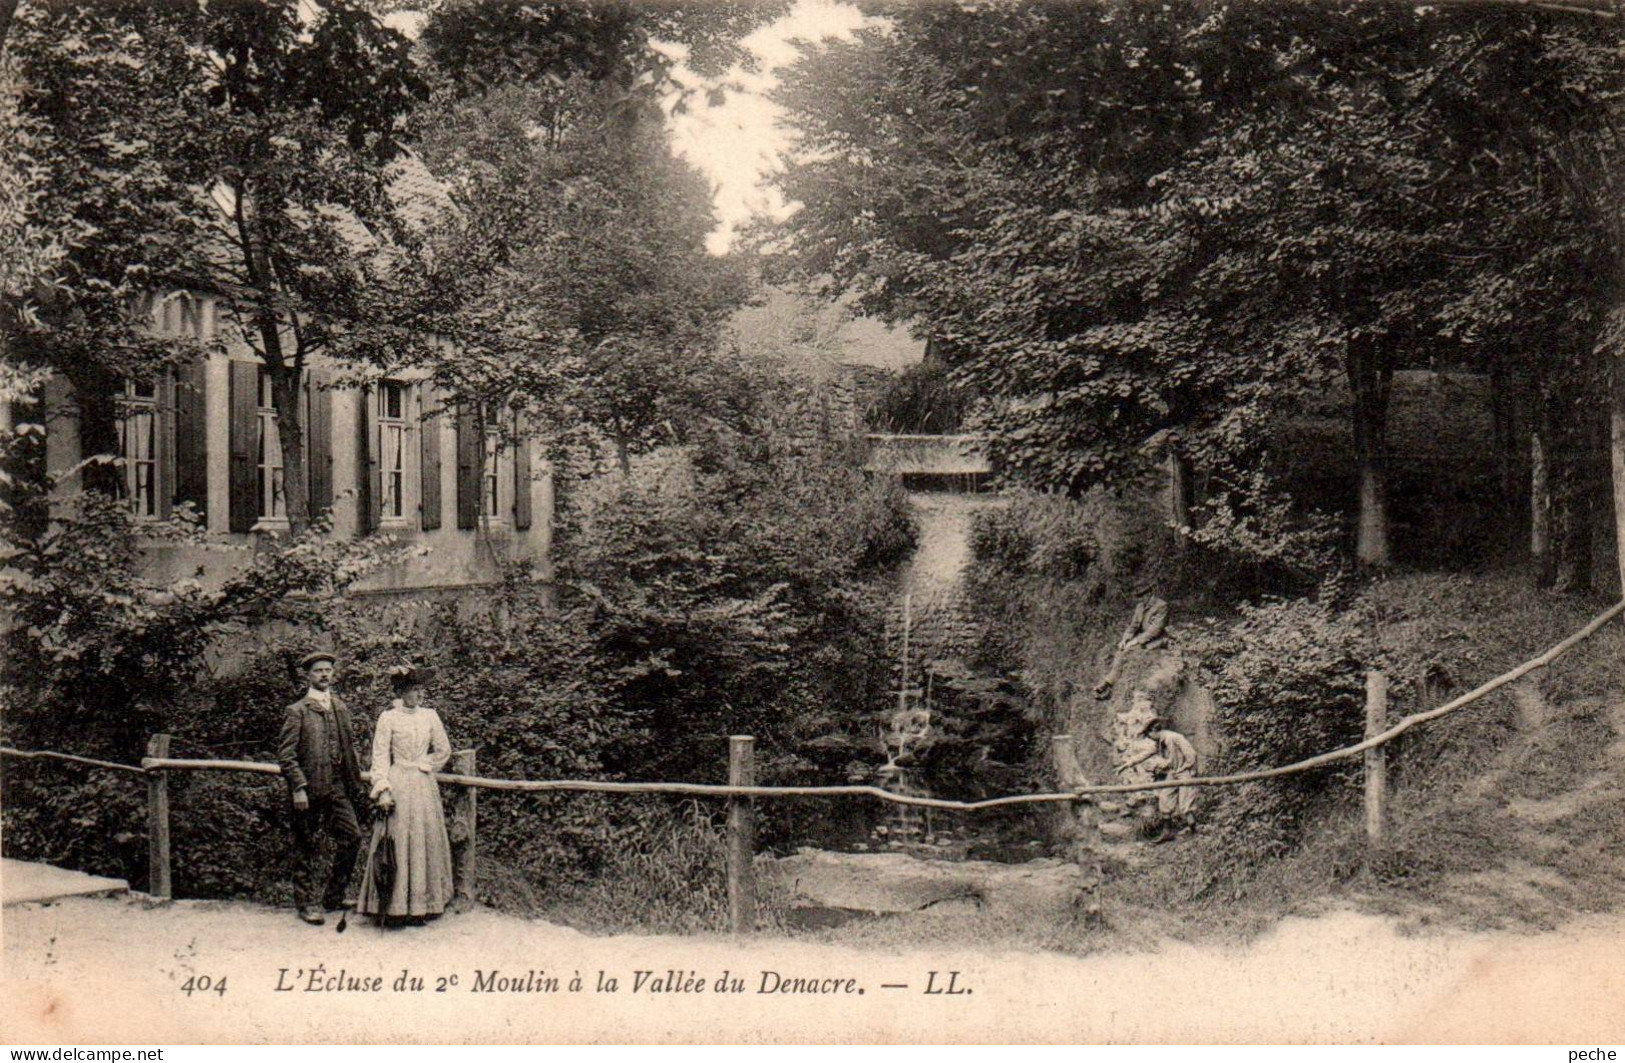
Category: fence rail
<point>741,789</point>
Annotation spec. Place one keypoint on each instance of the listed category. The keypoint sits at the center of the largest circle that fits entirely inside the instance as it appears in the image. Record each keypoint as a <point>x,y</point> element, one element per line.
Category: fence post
<point>1376,762</point>
<point>465,866</point>
<point>158,881</point>
<point>1078,825</point>
<point>741,837</point>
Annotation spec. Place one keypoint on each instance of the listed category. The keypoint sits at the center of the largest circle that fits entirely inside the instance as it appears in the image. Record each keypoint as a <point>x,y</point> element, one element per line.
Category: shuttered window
<point>469,452</point>
<point>191,437</point>
<point>429,457</point>
<point>392,449</point>
<point>489,481</point>
<point>255,473</point>
<point>319,440</point>
<point>244,437</point>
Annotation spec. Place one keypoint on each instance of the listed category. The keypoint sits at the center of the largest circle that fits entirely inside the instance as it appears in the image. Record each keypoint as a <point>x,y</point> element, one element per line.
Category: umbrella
<point>382,860</point>
<point>383,865</point>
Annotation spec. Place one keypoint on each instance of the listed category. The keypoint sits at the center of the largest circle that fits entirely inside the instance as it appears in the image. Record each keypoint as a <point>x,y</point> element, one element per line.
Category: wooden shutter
<point>521,474</point>
<point>470,450</point>
<point>429,456</point>
<point>164,489</point>
<point>319,439</point>
<point>245,401</point>
<point>371,509</point>
<point>191,436</point>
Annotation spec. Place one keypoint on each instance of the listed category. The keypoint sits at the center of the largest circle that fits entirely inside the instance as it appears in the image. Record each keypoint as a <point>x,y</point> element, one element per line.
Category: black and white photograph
<point>812,521</point>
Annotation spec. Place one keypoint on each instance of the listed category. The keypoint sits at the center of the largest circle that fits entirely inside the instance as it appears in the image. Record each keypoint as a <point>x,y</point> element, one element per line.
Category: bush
<point>920,400</point>
<point>674,882</point>
<point>1287,680</point>
<point>98,657</point>
<point>697,602</point>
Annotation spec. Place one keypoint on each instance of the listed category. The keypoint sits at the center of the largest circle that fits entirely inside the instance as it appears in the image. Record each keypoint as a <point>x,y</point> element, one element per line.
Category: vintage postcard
<point>812,521</point>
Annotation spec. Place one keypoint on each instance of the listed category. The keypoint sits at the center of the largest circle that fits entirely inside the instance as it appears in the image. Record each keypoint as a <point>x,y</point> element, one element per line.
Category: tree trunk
<point>94,389</point>
<point>1506,400</point>
<point>1371,380</point>
<point>1179,496</point>
<point>287,396</point>
<point>1540,501</point>
<point>1567,440</point>
<point>1616,448</point>
<point>1614,350</point>
<point>1572,509</point>
<point>284,371</point>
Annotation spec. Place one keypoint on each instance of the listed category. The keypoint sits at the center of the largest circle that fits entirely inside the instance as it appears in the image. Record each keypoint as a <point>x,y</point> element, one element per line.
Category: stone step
<point>1119,830</point>
<point>896,883</point>
<point>24,882</point>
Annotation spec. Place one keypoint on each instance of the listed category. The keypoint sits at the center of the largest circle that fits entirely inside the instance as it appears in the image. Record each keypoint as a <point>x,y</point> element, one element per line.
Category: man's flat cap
<point>319,655</point>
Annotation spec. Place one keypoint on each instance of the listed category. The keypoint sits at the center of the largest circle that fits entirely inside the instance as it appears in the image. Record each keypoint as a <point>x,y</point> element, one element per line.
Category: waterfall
<point>929,628</point>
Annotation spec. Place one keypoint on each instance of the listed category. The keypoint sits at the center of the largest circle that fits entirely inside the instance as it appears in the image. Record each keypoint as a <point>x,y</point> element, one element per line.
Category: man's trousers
<point>333,816</point>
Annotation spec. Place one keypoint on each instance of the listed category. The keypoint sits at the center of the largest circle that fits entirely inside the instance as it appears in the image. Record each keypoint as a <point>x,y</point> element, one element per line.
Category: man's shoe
<point>312,915</point>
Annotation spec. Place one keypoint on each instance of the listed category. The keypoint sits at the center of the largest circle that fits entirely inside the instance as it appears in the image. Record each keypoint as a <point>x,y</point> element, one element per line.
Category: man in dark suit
<point>318,756</point>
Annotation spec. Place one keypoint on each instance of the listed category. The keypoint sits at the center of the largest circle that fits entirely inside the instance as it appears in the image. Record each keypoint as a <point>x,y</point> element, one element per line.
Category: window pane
<point>268,466</point>
<point>146,494</point>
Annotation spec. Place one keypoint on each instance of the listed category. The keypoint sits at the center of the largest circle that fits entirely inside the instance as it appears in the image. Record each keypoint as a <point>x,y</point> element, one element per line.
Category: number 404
<point>202,983</point>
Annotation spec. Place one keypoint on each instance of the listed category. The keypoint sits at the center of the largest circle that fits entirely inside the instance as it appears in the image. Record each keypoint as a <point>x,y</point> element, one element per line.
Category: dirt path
<point>95,970</point>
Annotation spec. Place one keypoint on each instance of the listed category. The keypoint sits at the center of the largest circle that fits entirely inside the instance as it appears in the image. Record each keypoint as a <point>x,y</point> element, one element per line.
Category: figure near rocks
<point>1147,629</point>
<point>1146,752</point>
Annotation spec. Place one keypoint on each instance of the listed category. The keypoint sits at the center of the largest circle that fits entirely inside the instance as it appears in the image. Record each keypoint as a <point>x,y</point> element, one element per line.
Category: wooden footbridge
<point>958,460</point>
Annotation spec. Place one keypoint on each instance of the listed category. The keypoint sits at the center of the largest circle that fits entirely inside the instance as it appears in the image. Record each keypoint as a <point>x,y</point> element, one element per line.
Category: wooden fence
<point>741,790</point>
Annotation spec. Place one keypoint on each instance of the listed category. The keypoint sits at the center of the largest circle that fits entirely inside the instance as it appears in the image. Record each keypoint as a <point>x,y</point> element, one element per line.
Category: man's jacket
<point>303,750</point>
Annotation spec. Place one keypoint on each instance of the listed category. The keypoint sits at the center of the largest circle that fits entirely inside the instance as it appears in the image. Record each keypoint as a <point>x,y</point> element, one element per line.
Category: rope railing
<point>1076,793</point>
<point>47,754</point>
<point>741,787</point>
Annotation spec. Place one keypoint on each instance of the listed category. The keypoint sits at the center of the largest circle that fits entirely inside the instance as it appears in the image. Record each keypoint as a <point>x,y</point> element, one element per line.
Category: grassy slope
<point>1508,814</point>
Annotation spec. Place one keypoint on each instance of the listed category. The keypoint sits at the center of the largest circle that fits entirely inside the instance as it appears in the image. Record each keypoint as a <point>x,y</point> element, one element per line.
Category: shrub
<point>1287,680</point>
<point>675,881</point>
<point>98,657</point>
<point>919,400</point>
<point>723,590</point>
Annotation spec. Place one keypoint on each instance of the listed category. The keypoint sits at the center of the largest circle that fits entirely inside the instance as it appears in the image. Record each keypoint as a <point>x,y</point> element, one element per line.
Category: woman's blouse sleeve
<point>380,754</point>
<point>439,744</point>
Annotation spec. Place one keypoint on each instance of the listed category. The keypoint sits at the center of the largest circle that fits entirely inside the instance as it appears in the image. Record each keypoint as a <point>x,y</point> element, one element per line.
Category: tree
<point>98,212</point>
<point>1542,101</point>
<point>1151,231</point>
<point>594,302</point>
<point>300,123</point>
<point>242,148</point>
<point>483,44</point>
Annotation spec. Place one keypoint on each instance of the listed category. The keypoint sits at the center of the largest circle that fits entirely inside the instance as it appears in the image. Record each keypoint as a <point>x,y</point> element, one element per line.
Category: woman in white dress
<point>408,746</point>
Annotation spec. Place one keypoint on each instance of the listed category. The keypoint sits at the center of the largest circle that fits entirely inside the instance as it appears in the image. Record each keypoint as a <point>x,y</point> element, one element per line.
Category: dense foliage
<point>919,400</point>
<point>709,594</point>
<point>572,277</point>
<point>1142,231</point>
<point>1288,682</point>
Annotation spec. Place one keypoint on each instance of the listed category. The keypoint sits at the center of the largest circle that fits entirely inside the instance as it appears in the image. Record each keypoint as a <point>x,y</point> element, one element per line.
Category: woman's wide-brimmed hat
<point>406,676</point>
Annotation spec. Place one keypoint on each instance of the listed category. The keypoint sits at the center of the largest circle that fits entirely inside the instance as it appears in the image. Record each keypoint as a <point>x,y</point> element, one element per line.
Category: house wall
<point>453,558</point>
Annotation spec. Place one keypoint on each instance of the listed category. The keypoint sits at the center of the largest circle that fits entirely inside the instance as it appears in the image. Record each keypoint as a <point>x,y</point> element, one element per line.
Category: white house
<point>388,457</point>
